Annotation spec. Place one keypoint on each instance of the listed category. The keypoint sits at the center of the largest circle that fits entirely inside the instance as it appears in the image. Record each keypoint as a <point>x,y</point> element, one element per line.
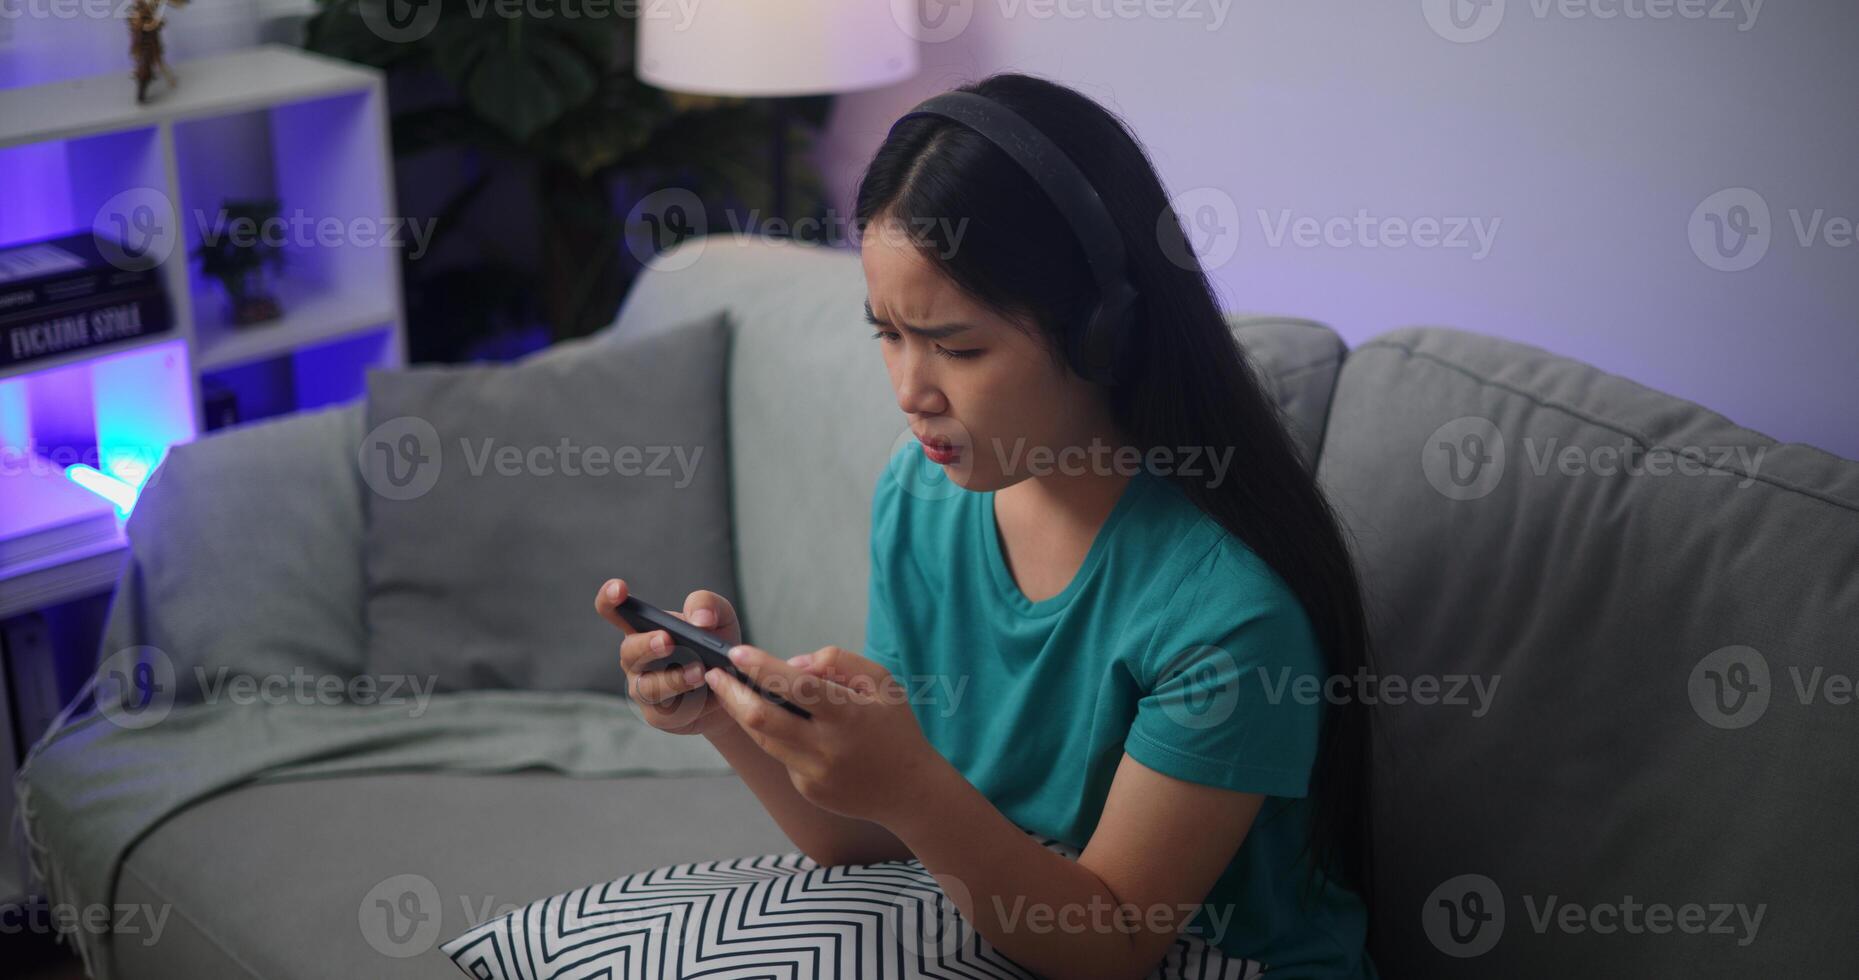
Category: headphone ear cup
<point>1102,347</point>
<point>1095,360</point>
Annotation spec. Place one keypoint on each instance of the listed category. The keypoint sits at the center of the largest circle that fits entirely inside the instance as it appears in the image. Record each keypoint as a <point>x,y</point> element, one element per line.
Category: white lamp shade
<point>773,47</point>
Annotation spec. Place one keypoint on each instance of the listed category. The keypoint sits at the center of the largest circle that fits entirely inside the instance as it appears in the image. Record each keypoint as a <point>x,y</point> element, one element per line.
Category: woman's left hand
<point>861,755</point>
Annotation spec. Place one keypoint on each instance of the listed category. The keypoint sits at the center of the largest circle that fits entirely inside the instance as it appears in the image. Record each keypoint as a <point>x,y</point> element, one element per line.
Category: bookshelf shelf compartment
<point>270,121</point>
<point>309,319</point>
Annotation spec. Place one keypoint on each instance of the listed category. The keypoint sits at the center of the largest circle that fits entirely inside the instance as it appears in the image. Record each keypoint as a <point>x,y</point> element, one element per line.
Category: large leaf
<point>622,117</point>
<point>518,74</point>
<point>721,151</point>
<point>554,98</point>
<point>337,30</point>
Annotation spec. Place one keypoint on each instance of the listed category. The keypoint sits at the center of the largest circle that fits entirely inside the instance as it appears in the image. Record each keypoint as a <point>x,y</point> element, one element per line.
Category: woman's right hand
<point>672,696</point>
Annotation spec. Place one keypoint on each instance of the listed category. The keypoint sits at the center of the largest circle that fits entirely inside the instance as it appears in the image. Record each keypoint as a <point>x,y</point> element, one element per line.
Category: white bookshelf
<point>270,121</point>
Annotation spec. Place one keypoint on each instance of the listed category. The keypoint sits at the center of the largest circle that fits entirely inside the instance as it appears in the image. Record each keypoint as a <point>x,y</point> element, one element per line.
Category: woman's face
<point>969,376</point>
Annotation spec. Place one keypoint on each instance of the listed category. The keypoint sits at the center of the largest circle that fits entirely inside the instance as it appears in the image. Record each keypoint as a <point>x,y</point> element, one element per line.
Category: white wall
<point>53,40</point>
<point>1588,143</point>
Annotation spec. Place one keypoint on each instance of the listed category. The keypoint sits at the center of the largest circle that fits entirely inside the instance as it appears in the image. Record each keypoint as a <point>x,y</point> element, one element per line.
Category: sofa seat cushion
<point>364,876</point>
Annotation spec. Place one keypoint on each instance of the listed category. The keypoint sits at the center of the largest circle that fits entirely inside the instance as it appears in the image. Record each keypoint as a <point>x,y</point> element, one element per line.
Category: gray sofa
<point>1563,785</point>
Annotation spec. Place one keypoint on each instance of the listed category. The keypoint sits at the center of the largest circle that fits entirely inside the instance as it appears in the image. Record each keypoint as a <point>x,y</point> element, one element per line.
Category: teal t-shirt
<point>1173,643</point>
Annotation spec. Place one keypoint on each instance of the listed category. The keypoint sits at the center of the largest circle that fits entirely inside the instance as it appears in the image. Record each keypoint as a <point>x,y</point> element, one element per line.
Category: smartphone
<point>709,649</point>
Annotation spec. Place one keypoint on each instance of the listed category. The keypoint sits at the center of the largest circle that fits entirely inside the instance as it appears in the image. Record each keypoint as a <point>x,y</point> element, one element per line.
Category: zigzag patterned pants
<point>777,915</point>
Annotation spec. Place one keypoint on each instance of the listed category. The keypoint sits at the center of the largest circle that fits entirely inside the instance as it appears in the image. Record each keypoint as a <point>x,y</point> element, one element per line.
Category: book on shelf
<point>56,270</point>
<point>78,324</point>
<point>62,295</point>
<point>46,514</point>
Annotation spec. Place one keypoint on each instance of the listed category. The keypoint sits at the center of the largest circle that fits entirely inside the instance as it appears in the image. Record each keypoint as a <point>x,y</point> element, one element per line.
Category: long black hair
<point>1189,383</point>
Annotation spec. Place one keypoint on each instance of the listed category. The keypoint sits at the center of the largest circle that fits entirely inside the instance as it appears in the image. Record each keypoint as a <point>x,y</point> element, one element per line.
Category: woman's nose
<point>917,393</point>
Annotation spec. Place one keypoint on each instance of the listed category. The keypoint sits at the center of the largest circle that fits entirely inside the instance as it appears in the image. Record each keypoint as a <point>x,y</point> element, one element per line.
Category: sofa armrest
<point>246,554</point>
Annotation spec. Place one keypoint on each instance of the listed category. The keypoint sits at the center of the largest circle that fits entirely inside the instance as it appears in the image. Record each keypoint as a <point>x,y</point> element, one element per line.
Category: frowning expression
<point>966,376</point>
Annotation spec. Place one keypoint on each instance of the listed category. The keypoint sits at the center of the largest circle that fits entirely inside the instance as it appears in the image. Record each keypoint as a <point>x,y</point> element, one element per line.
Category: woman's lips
<point>941,452</point>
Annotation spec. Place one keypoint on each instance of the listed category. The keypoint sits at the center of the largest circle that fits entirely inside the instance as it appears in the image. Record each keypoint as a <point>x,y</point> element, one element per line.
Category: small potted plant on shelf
<point>237,256</point>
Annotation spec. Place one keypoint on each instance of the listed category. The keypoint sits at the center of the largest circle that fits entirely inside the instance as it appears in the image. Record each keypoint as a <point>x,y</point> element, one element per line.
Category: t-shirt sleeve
<point>1232,682</point>
<point>880,624</point>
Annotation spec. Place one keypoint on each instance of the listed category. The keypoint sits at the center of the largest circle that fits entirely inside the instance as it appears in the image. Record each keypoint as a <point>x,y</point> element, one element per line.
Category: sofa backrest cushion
<point>1622,634</point>
<point>813,420</point>
<point>1297,360</point>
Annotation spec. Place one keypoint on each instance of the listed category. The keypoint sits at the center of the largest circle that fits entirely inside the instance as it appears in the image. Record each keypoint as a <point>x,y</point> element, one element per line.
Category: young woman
<point>1118,776</point>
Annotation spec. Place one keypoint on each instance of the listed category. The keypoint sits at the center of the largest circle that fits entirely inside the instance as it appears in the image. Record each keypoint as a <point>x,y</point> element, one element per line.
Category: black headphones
<point>1099,351</point>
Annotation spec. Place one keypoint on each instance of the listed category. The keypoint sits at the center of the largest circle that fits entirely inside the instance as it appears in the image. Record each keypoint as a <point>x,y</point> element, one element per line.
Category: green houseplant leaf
<point>540,115</point>
<point>519,75</point>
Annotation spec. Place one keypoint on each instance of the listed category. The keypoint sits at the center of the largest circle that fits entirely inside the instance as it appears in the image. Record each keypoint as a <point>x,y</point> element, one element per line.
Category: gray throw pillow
<point>500,497</point>
<point>247,557</point>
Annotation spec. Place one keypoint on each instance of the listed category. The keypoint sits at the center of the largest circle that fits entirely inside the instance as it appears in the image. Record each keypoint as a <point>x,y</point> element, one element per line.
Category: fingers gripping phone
<point>709,649</point>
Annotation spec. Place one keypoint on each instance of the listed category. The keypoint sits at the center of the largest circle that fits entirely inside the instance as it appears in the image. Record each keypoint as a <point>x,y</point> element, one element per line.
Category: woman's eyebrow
<point>929,333</point>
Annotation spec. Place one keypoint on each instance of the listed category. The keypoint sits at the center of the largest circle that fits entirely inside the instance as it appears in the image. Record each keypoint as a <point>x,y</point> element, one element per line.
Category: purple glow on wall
<point>38,193</point>
<point>119,413</point>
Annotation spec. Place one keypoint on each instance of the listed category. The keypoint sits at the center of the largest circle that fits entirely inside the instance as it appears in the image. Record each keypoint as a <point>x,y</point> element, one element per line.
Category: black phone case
<point>710,650</point>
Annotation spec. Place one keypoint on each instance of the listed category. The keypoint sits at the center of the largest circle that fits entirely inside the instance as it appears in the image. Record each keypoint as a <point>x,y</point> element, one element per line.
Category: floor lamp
<point>776,49</point>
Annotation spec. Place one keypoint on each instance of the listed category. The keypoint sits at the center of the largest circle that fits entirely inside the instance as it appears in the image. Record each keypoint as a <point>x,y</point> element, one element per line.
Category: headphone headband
<point>1100,349</point>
